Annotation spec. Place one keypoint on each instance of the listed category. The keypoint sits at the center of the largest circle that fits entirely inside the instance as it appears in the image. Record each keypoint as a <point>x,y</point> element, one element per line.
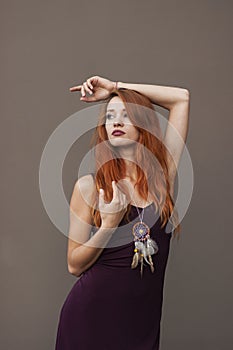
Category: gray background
<point>48,46</point>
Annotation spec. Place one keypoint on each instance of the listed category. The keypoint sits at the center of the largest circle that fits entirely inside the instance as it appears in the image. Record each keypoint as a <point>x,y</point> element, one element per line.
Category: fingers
<point>75,88</point>
<point>89,84</point>
<point>85,87</point>
<point>117,194</point>
<point>82,91</point>
<point>118,197</point>
<point>115,190</point>
<point>88,99</point>
<point>101,197</point>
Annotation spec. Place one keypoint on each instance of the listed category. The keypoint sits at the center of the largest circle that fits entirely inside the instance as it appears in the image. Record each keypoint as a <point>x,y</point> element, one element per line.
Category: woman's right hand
<point>113,212</point>
<point>99,88</point>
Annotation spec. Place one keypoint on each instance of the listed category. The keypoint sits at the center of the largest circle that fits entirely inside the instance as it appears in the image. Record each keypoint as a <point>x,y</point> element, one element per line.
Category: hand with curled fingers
<point>113,212</point>
<point>98,88</point>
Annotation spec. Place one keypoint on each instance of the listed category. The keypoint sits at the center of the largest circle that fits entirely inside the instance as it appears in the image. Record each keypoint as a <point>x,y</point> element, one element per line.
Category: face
<point>117,119</point>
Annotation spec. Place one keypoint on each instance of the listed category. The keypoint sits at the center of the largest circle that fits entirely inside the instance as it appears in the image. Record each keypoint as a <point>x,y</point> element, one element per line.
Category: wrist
<point>108,227</point>
<point>116,86</point>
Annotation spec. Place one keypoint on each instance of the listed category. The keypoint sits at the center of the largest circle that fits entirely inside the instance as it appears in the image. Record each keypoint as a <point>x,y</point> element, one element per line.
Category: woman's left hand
<point>99,89</point>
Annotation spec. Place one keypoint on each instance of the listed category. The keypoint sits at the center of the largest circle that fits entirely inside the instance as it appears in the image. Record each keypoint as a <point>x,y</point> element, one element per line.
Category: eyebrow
<point>112,110</point>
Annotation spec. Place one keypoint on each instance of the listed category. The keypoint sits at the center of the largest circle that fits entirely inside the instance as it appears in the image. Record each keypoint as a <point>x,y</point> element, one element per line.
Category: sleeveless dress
<point>111,307</point>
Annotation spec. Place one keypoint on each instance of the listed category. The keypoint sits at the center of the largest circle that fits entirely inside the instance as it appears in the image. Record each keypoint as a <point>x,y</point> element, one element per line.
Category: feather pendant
<point>145,252</point>
<point>151,264</point>
<point>149,248</point>
<point>141,270</point>
<point>153,244</point>
<point>135,260</point>
<point>139,245</point>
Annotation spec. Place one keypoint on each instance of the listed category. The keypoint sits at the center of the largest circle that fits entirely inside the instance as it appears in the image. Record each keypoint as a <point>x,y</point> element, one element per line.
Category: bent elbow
<point>186,94</point>
<point>74,271</point>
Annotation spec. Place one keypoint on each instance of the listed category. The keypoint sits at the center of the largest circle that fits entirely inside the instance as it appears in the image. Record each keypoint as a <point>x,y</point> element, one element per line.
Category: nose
<point>118,122</point>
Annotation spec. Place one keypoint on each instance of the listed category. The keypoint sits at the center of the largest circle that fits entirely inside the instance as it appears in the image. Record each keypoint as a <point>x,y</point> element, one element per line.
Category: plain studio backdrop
<point>48,46</point>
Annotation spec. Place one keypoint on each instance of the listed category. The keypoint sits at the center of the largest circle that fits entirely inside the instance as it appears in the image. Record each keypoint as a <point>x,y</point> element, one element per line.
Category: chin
<point>121,142</point>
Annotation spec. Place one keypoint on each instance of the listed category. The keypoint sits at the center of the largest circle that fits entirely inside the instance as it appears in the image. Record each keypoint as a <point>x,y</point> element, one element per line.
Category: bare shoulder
<point>84,192</point>
<point>81,220</point>
<point>85,183</point>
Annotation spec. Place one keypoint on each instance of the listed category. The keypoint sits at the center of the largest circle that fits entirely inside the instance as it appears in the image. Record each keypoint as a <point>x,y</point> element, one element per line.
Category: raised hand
<point>113,212</point>
<point>99,89</point>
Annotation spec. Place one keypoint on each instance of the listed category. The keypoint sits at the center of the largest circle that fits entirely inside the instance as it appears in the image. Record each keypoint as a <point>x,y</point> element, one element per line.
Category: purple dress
<point>111,307</point>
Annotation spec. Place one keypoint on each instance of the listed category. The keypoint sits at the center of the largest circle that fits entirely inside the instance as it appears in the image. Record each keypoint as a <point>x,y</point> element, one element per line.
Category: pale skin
<point>81,256</point>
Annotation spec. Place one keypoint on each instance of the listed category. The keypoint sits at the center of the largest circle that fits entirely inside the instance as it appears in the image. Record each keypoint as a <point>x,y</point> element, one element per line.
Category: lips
<point>118,133</point>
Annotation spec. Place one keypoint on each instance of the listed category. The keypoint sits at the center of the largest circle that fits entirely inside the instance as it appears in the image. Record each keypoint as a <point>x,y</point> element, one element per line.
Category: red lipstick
<point>118,133</point>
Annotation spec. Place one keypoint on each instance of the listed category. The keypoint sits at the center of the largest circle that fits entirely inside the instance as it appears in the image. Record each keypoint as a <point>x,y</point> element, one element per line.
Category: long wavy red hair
<point>150,154</point>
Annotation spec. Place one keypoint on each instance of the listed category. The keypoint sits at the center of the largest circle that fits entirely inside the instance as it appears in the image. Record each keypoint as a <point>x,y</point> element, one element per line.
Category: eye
<point>109,116</point>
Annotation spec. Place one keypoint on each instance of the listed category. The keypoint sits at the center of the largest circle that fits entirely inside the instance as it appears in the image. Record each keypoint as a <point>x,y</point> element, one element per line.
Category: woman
<point>117,301</point>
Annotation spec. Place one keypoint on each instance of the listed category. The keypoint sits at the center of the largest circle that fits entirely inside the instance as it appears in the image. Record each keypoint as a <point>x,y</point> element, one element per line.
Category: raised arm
<point>164,96</point>
<point>174,99</point>
<point>177,101</point>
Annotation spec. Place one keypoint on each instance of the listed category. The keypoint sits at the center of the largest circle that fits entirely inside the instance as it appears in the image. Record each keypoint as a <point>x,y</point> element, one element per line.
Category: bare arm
<point>100,88</point>
<point>82,251</point>
<point>164,96</point>
<point>175,99</point>
<point>84,256</point>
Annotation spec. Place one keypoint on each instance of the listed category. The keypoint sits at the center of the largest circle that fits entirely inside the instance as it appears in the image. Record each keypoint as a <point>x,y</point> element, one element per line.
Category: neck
<point>127,153</point>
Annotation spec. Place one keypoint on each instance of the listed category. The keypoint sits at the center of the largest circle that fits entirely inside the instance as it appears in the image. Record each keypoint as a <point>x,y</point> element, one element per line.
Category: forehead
<point>115,104</point>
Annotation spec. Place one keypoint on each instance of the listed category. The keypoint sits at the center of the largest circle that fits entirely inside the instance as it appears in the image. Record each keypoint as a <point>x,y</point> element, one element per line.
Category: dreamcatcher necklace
<point>144,245</point>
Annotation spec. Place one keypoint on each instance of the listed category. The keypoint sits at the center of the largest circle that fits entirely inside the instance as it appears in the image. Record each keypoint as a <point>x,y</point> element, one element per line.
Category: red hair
<point>150,154</point>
